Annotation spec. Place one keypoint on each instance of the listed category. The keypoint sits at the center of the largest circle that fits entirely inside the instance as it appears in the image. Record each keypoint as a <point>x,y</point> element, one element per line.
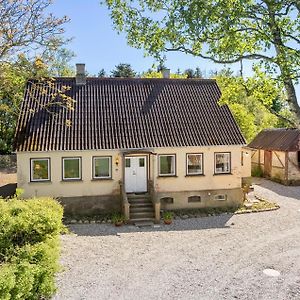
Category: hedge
<point>29,247</point>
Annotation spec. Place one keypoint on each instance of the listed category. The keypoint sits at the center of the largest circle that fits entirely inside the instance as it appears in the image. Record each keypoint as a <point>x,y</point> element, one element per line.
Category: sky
<point>98,45</point>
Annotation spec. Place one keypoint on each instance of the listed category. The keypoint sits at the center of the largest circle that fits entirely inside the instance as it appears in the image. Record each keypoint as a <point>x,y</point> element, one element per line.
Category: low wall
<point>90,205</point>
<point>200,199</point>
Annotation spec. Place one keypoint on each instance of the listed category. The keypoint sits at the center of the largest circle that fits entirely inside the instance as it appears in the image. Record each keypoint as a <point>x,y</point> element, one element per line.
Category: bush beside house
<point>29,247</point>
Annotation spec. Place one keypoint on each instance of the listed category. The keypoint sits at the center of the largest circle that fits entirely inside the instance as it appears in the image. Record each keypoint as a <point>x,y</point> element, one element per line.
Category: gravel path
<point>220,257</point>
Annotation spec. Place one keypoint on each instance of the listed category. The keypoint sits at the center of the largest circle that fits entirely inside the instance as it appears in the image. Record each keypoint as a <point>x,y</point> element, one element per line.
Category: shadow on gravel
<point>282,190</point>
<point>221,221</point>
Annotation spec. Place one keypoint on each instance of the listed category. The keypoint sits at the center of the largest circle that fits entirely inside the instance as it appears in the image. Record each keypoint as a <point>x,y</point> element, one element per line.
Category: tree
<point>123,70</point>
<point>13,78</point>
<point>193,73</point>
<point>158,74</point>
<point>226,32</point>
<point>25,26</point>
<point>256,102</point>
<point>101,73</point>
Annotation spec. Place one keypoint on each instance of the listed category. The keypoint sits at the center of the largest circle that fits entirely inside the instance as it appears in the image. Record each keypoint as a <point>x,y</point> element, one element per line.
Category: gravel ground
<point>221,257</point>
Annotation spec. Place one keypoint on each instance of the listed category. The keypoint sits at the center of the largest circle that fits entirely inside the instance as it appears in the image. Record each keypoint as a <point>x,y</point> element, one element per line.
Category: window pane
<point>166,165</point>
<point>127,162</point>
<point>222,163</point>
<point>102,166</point>
<point>142,162</point>
<point>71,168</point>
<point>40,169</point>
<point>194,163</point>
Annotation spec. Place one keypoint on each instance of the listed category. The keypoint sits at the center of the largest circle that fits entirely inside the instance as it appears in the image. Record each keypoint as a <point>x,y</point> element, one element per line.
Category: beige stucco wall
<point>89,187</point>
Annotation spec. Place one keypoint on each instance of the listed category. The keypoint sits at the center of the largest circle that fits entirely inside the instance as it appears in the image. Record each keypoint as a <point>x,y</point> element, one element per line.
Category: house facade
<point>276,155</point>
<point>133,144</point>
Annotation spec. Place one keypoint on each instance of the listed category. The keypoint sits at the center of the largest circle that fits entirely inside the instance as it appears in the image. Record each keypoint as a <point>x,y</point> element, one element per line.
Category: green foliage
<point>154,74</point>
<point>123,70</point>
<point>221,31</point>
<point>29,247</point>
<point>252,102</point>
<point>117,217</point>
<point>167,215</point>
<point>257,172</point>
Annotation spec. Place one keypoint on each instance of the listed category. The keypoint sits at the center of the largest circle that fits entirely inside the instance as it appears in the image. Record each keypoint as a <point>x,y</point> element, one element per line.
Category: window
<point>167,200</point>
<point>72,168</point>
<point>40,169</point>
<point>194,164</point>
<point>142,162</point>
<point>166,165</point>
<point>222,163</point>
<point>127,162</point>
<point>220,197</point>
<point>102,167</point>
<point>298,157</point>
<point>194,199</point>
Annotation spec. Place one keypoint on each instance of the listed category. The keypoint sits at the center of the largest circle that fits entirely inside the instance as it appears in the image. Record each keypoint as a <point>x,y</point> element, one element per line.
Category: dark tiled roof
<point>122,113</point>
<point>281,139</point>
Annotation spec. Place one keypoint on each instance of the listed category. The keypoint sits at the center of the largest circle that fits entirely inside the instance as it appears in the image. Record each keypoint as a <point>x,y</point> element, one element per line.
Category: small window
<point>127,162</point>
<point>167,200</point>
<point>72,168</point>
<point>222,163</point>
<point>142,162</point>
<point>166,165</point>
<point>194,199</point>
<point>40,169</point>
<point>194,164</point>
<point>221,197</point>
<point>102,167</point>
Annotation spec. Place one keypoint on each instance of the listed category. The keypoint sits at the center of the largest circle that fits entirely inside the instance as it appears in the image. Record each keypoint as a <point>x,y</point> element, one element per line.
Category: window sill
<point>71,180</point>
<point>217,174</point>
<point>100,179</point>
<point>194,175</point>
<point>166,176</point>
<point>40,181</point>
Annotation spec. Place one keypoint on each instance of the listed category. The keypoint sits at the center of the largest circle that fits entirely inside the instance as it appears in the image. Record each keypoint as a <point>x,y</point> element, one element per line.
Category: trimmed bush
<point>29,247</point>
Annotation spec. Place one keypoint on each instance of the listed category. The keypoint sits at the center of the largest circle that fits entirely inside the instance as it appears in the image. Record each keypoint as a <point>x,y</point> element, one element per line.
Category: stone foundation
<point>91,205</point>
<point>201,199</point>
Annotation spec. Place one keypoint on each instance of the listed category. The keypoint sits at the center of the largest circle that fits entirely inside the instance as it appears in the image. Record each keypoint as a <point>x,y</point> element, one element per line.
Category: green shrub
<point>29,247</point>
<point>257,172</point>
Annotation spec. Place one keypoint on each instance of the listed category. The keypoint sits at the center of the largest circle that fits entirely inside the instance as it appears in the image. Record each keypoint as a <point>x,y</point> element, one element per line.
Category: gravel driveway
<point>221,257</point>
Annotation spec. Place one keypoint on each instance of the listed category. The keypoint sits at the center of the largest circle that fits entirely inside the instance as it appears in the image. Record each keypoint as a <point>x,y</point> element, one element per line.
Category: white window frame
<point>215,162</point>
<point>63,168</point>
<point>31,169</point>
<point>174,167</point>
<point>110,167</point>
<point>187,164</point>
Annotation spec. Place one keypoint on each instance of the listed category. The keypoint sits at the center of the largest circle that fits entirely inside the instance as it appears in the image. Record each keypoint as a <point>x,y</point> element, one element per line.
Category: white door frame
<point>133,188</point>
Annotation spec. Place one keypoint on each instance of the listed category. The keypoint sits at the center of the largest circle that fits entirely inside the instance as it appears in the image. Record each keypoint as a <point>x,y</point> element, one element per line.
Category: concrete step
<point>140,201</point>
<point>138,196</point>
<point>144,223</point>
<point>141,204</point>
<point>141,209</point>
<point>141,215</point>
<point>134,221</point>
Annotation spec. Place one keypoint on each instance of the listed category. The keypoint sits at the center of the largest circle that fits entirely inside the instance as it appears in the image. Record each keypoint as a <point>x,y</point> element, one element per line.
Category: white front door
<point>135,174</point>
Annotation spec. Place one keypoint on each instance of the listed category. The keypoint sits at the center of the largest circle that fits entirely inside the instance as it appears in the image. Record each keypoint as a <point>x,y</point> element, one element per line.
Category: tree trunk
<point>282,62</point>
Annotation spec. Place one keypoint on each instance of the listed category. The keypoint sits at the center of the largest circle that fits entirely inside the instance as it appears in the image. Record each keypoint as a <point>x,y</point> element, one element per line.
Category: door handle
<point>133,173</point>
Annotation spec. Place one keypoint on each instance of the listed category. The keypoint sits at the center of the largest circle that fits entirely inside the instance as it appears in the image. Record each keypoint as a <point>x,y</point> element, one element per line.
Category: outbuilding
<point>276,155</point>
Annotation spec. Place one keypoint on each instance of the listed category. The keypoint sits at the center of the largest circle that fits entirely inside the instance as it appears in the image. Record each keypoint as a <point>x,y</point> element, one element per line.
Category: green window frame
<point>102,167</point>
<point>39,169</point>
<point>74,171</point>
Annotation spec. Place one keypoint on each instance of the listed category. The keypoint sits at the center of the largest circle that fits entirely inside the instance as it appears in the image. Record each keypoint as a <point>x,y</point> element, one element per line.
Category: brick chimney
<point>80,74</point>
<point>166,73</point>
